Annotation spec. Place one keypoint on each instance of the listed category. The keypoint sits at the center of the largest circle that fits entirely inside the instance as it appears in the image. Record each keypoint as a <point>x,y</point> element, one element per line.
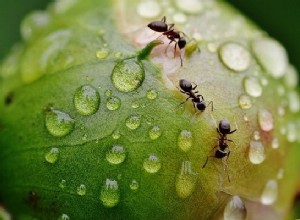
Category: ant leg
<point>184,101</point>
<point>226,165</point>
<point>201,96</point>
<point>232,131</point>
<point>180,58</point>
<point>171,26</point>
<point>175,49</point>
<point>212,105</point>
<point>193,88</point>
<point>159,35</point>
<point>231,141</point>
<point>209,156</point>
<point>168,46</point>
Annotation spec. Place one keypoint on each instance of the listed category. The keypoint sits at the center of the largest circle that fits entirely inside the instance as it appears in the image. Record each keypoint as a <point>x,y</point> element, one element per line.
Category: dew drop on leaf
<point>185,140</point>
<point>116,134</point>
<point>113,103</point>
<point>64,217</point>
<point>154,132</point>
<point>116,154</point>
<point>151,94</point>
<point>110,193</point>
<point>86,100</point>
<point>133,122</point>
<point>245,102</point>
<point>149,9</point>
<point>52,155</point>
<point>252,86</point>
<point>265,120</point>
<point>102,54</point>
<point>62,184</point>
<point>270,192</point>
<point>134,185</point>
<point>81,190</point>
<point>235,209</point>
<point>152,164</point>
<point>256,152</point>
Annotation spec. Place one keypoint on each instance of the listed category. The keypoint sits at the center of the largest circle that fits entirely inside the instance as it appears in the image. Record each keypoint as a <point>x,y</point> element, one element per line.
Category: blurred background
<point>280,18</point>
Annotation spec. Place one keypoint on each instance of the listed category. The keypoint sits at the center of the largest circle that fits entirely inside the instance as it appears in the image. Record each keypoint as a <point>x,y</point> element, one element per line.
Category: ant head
<point>201,106</point>
<point>181,42</point>
<point>185,85</point>
<point>224,126</point>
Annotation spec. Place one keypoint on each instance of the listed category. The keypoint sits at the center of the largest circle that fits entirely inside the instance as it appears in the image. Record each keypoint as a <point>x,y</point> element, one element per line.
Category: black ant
<point>187,88</point>
<point>168,30</point>
<point>223,150</point>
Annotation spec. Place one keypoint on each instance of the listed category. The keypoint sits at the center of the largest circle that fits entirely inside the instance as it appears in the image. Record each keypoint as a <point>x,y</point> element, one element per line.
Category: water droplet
<point>108,93</point>
<point>102,54</point>
<point>128,75</point>
<point>245,102</point>
<point>81,190</point>
<point>84,137</point>
<point>64,217</point>
<point>272,56</point>
<point>134,185</point>
<point>275,143</point>
<point>149,9</point>
<point>291,132</point>
<point>58,123</point>
<point>86,100</point>
<point>270,193</point>
<point>62,184</point>
<point>190,6</point>
<point>235,209</point>
<point>113,103</point>
<point>118,55</point>
<point>154,132</point>
<point>116,155</point>
<point>252,86</point>
<point>256,135</point>
<point>133,122</point>
<point>179,18</point>
<point>151,94</point>
<point>264,81</point>
<point>212,47</point>
<point>294,101</point>
<point>235,57</point>
<point>246,118</point>
<point>265,120</point>
<point>185,140</point>
<point>152,164</point>
<point>110,193</point>
<point>185,180</point>
<point>116,134</point>
<point>291,77</point>
<point>61,6</point>
<point>280,173</point>
<point>281,111</point>
<point>256,152</point>
<point>52,155</point>
<point>135,104</point>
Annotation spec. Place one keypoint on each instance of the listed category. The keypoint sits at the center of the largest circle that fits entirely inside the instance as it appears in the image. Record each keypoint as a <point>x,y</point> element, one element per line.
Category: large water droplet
<point>294,101</point>
<point>110,193</point>
<point>81,190</point>
<point>190,6</point>
<point>185,180</point>
<point>235,57</point>
<point>134,185</point>
<point>185,140</point>
<point>128,75</point>
<point>151,94</point>
<point>270,193</point>
<point>86,100</point>
<point>252,86</point>
<point>64,217</point>
<point>245,102</point>
<point>149,9</point>
<point>265,120</point>
<point>133,122</point>
<point>152,164</point>
<point>235,209</point>
<point>116,155</point>
<point>52,155</point>
<point>62,184</point>
<point>113,103</point>
<point>271,55</point>
<point>58,123</point>
<point>256,152</point>
<point>154,132</point>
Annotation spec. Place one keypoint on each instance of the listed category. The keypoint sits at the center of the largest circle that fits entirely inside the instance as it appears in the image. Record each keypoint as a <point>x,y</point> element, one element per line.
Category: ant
<point>168,30</point>
<point>187,88</point>
<point>221,152</point>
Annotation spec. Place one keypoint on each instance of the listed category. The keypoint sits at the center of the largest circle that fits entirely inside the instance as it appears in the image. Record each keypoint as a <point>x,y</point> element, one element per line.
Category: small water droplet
<point>256,152</point>
<point>246,118</point>
<point>185,140</point>
<point>102,54</point>
<point>235,209</point>
<point>190,6</point>
<point>264,81</point>
<point>281,111</point>
<point>212,47</point>
<point>152,164</point>
<point>64,217</point>
<point>62,184</point>
<point>61,6</point>
<point>185,180</point>
<point>270,193</point>
<point>256,135</point>
<point>291,77</point>
<point>133,122</point>
<point>108,93</point>
<point>135,104</point>
<point>58,123</point>
<point>252,86</point>
<point>116,134</point>
<point>235,57</point>
<point>245,102</point>
<point>81,190</point>
<point>128,75</point>
<point>280,173</point>
<point>84,137</point>
<point>86,100</point>
<point>294,101</point>
<point>113,103</point>
<point>151,94</point>
<point>271,55</point>
<point>154,132</point>
<point>265,120</point>
<point>134,185</point>
<point>118,55</point>
<point>52,155</point>
<point>110,193</point>
<point>179,18</point>
<point>275,143</point>
<point>116,155</point>
<point>149,9</point>
<point>292,132</point>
